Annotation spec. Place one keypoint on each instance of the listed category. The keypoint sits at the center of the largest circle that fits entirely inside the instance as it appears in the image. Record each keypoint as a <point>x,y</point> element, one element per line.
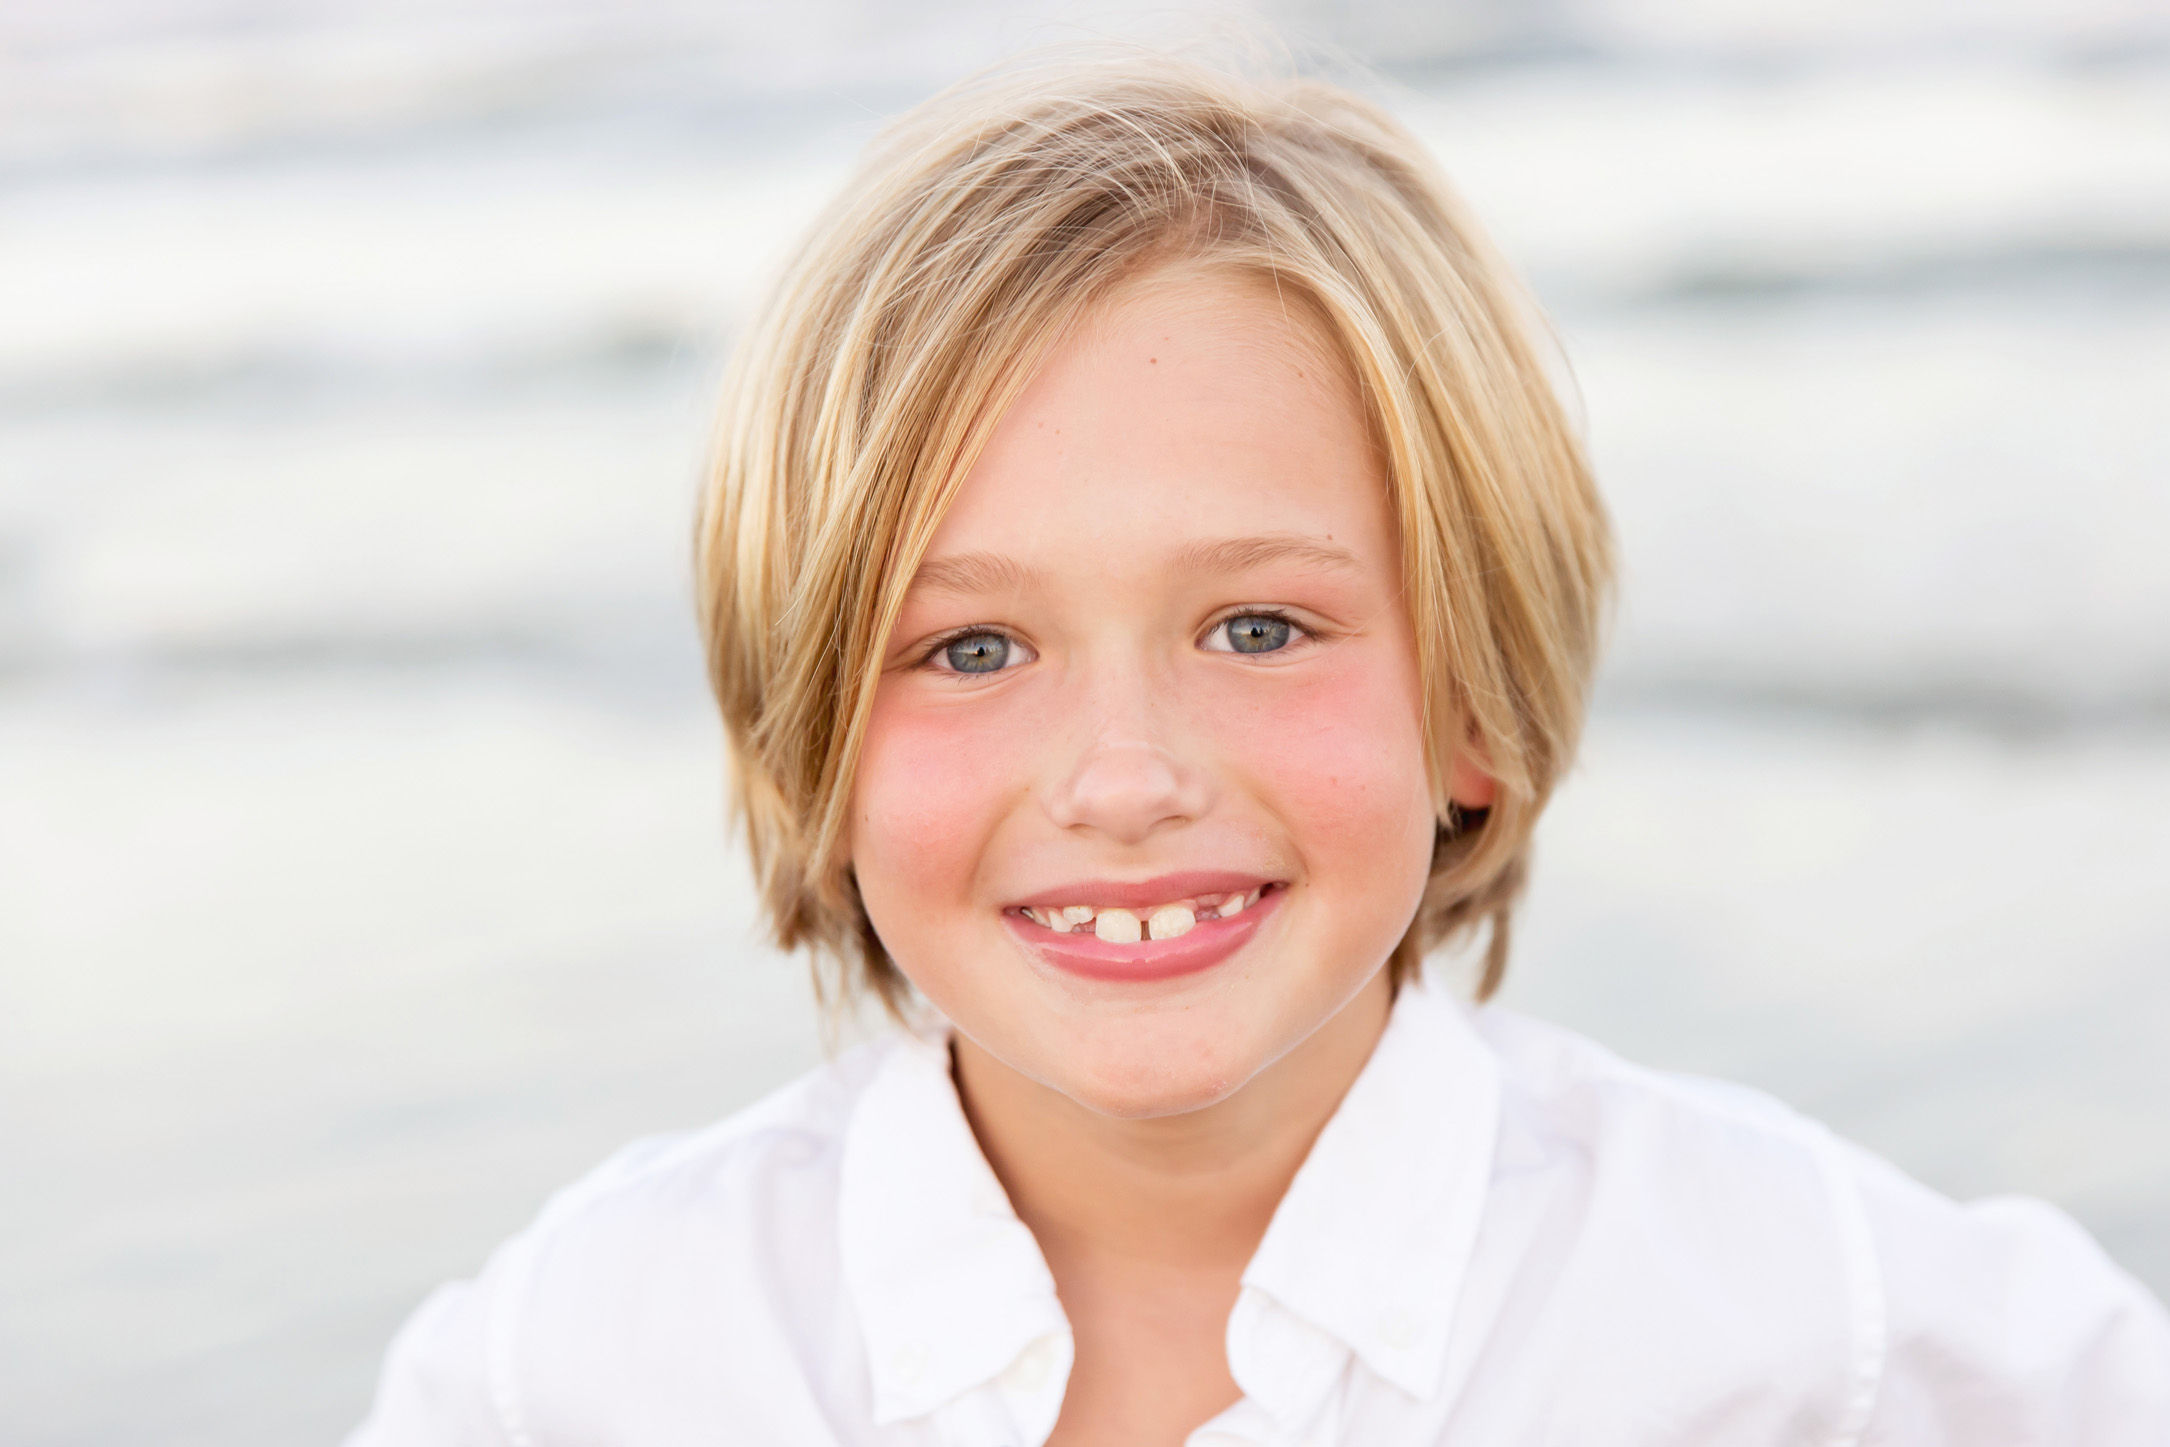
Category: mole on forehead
<point>1271,319</point>
<point>981,573</point>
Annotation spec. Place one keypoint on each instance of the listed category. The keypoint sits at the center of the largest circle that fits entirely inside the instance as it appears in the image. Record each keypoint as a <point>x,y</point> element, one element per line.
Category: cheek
<point>1339,756</point>
<point>933,784</point>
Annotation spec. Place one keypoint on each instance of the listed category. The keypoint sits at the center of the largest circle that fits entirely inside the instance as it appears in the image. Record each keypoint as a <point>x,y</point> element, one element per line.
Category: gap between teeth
<point>1125,927</point>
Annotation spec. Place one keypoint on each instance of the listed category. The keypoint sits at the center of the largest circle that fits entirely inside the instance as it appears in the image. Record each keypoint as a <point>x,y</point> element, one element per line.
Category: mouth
<point>1148,931</point>
<point>1120,925</point>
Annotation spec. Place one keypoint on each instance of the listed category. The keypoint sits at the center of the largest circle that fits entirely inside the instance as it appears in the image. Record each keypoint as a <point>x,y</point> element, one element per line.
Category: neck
<point>1194,1189</point>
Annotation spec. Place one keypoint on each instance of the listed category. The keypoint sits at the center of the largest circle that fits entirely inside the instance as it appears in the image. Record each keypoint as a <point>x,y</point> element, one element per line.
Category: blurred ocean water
<point>362,871</point>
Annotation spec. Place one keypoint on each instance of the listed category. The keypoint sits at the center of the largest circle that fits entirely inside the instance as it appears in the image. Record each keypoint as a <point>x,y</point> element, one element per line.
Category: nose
<point>1130,775</point>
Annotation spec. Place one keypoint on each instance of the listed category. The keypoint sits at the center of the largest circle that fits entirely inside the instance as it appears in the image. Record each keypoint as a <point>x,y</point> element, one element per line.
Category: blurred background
<point>362,869</point>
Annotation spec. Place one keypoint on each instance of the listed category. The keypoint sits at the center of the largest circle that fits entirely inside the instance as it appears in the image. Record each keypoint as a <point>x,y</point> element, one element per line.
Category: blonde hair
<point>978,229</point>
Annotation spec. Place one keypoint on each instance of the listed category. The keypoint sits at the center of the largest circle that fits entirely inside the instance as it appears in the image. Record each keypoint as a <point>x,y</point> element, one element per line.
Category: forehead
<point>1192,404</point>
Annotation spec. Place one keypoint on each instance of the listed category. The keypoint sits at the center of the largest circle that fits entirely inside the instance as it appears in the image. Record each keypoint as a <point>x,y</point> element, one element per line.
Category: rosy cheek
<point>1338,753</point>
<point>932,786</point>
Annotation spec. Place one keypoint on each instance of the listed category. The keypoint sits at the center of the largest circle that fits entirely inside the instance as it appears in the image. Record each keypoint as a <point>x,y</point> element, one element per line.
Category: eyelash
<point>1299,633</point>
<point>940,644</point>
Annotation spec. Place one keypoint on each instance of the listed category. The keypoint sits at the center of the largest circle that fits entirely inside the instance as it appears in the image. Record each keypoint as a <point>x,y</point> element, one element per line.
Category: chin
<point>1136,1079</point>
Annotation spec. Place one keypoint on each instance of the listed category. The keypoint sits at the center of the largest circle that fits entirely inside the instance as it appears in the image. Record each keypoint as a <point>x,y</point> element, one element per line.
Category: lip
<point>1205,945</point>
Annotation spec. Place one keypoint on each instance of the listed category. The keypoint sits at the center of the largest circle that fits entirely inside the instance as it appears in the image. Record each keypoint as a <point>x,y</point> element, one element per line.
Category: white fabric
<point>1504,1235</point>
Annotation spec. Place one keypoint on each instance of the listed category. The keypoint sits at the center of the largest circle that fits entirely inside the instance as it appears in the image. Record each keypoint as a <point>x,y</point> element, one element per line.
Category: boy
<point>1152,589</point>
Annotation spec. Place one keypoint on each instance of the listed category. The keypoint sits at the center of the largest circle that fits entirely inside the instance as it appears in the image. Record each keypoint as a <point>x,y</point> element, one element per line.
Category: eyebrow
<point>973,573</point>
<point>1234,555</point>
<point>976,574</point>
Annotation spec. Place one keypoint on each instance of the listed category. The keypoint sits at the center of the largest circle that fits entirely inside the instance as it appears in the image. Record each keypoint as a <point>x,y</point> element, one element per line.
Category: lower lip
<point>1206,945</point>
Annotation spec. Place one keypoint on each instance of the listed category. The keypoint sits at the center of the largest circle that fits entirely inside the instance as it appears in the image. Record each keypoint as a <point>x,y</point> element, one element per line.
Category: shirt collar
<point>1372,1240</point>
<point>949,1285</point>
<point>1366,1252</point>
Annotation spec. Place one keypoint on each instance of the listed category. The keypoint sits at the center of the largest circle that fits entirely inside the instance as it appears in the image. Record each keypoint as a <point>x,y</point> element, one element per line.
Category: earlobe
<point>1470,784</point>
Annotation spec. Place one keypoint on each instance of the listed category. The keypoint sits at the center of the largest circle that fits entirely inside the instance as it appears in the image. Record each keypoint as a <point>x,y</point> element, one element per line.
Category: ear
<point>1470,784</point>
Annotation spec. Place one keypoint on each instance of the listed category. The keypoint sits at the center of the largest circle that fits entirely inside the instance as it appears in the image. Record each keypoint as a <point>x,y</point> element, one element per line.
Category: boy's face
<point>1155,670</point>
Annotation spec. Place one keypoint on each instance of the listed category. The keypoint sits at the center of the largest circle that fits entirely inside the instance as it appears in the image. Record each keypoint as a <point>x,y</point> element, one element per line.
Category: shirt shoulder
<point>2006,1323</point>
<point>602,1320</point>
<point>1879,1309</point>
<point>1730,1166</point>
<point>792,1132</point>
<point>1665,1248</point>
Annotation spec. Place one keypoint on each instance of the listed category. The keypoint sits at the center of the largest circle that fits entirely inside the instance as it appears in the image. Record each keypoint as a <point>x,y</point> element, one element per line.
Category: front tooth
<point>1117,926</point>
<point>1057,923</point>
<point>1077,913</point>
<point>1171,920</point>
<point>1234,904</point>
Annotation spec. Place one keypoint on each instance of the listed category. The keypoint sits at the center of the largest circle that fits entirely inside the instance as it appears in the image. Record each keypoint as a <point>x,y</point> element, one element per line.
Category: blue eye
<point>1257,633</point>
<point>978,653</point>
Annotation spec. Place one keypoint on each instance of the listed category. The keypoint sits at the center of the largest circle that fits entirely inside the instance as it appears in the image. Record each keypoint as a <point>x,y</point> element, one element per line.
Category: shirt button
<point>1028,1373</point>
<point>1399,1331</point>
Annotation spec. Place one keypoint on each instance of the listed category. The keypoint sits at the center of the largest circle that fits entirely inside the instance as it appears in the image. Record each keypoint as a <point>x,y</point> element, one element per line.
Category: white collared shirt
<point>1504,1235</point>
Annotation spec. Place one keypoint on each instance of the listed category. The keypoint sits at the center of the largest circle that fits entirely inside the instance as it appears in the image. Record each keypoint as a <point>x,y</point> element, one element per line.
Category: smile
<point>1121,926</point>
<point>1147,931</point>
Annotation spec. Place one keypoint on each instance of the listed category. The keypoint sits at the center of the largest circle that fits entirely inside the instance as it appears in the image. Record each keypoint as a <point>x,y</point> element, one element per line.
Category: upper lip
<point>1138,893</point>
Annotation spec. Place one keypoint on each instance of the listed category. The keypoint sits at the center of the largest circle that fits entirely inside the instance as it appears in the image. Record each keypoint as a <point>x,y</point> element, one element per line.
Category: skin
<point>1196,451</point>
